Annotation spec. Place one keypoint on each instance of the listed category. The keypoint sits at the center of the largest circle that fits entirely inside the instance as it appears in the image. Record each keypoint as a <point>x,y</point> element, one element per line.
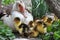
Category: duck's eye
<point>19,5</point>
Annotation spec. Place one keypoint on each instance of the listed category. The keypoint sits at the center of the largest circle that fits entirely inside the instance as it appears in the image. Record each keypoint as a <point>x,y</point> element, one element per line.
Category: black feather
<point>24,26</point>
<point>1,14</point>
<point>49,20</point>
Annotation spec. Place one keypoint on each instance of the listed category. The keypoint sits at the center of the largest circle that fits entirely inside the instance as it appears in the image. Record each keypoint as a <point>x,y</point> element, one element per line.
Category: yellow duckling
<point>31,25</point>
<point>51,18</point>
<point>44,18</point>
<point>21,27</point>
<point>34,34</point>
<point>49,22</point>
<point>41,27</point>
<point>17,23</point>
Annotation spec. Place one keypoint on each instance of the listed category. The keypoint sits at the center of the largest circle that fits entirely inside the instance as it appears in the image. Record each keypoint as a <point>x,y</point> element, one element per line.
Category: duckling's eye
<point>49,20</point>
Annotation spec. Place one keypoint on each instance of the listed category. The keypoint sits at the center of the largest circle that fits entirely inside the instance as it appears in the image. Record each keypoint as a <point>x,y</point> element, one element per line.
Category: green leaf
<point>7,2</point>
<point>39,8</point>
<point>6,32</point>
<point>57,35</point>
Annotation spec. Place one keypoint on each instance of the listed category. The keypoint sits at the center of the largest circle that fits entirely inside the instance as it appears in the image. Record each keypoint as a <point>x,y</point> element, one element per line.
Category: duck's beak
<point>21,6</point>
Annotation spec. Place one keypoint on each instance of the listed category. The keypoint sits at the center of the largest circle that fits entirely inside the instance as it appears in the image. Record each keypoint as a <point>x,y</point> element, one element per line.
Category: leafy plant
<point>7,2</point>
<point>55,29</point>
<point>57,35</point>
<point>5,32</point>
<point>39,8</point>
<point>46,36</point>
<point>55,26</point>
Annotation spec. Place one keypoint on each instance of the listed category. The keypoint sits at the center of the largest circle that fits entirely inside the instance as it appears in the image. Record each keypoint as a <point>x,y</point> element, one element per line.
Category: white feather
<point>29,17</point>
<point>8,21</point>
<point>14,13</point>
<point>17,14</point>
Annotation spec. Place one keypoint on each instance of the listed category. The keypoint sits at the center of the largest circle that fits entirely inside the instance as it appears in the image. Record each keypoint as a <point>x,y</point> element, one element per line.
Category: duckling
<point>21,27</point>
<point>25,30</point>
<point>44,18</point>
<point>49,22</point>
<point>31,25</point>
<point>50,19</point>
<point>41,27</point>
<point>17,23</point>
<point>33,34</point>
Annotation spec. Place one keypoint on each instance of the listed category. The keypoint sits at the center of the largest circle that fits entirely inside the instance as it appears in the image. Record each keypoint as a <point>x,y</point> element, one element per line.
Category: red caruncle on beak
<point>21,8</point>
